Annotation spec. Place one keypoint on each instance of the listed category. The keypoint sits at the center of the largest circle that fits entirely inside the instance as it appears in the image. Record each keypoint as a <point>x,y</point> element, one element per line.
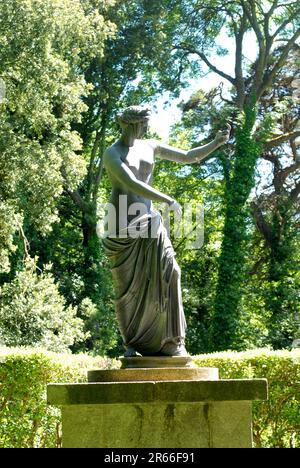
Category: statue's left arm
<point>195,155</point>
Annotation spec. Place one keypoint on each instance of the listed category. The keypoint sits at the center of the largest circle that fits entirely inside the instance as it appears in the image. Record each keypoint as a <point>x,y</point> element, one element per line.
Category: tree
<point>47,44</point>
<point>276,209</point>
<point>33,313</point>
<point>274,26</point>
<point>43,42</point>
<point>118,77</point>
<point>198,184</point>
<point>125,60</point>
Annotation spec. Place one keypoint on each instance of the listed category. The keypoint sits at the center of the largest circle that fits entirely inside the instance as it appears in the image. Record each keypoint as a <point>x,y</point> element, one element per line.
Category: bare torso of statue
<point>139,159</point>
<point>145,273</point>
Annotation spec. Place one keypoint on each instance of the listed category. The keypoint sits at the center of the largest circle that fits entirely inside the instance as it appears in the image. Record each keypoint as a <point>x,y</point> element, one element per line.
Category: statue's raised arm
<point>195,155</point>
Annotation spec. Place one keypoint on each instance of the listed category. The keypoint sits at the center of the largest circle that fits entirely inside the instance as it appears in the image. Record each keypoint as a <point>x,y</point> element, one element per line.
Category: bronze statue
<point>145,273</point>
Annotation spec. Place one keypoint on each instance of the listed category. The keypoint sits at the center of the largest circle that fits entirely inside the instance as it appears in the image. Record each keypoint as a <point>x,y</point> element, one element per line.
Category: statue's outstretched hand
<point>223,136</point>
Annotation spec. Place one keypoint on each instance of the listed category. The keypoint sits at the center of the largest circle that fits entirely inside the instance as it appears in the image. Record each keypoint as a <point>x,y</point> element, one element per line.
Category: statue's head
<point>135,120</point>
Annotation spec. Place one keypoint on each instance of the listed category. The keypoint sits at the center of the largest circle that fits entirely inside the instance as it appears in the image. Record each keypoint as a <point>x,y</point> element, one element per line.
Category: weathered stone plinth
<point>153,374</point>
<point>164,411</point>
<point>159,362</point>
<point>157,368</point>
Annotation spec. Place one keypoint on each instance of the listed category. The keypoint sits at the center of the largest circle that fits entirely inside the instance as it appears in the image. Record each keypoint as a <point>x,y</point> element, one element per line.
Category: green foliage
<point>68,66</point>
<point>276,421</point>
<point>26,421</point>
<point>266,308</point>
<point>42,44</point>
<point>282,295</point>
<point>87,289</point>
<point>198,266</point>
<point>216,184</point>
<point>48,46</point>
<point>192,34</point>
<point>110,75</point>
<point>231,274</point>
<point>198,185</point>
<point>32,312</point>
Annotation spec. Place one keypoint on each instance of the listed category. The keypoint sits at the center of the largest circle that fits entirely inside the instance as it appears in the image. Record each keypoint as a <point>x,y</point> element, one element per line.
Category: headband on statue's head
<point>134,115</point>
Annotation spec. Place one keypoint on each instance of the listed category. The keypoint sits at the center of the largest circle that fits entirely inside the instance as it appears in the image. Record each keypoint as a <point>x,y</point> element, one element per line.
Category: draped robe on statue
<point>147,284</point>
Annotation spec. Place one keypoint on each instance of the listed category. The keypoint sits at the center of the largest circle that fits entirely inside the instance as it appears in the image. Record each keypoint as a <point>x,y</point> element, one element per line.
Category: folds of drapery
<point>147,284</point>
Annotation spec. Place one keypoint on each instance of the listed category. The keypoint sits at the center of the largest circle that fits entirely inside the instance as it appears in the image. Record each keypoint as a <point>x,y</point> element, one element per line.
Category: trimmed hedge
<point>276,422</point>
<point>26,421</point>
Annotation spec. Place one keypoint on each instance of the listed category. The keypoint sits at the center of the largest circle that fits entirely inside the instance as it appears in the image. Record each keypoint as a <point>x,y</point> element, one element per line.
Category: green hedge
<point>26,420</point>
<point>276,422</point>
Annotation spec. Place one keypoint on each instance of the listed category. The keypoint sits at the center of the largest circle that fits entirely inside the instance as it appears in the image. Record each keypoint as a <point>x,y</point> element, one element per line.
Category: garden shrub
<point>27,421</point>
<point>276,422</point>
<point>34,313</point>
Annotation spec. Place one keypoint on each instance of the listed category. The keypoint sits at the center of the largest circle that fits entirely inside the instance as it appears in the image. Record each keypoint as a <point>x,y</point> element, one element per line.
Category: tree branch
<point>262,225</point>
<point>251,14</point>
<point>92,161</point>
<point>207,62</point>
<point>294,150</point>
<point>286,22</point>
<point>252,17</point>
<point>273,8</point>
<point>100,149</point>
<point>74,194</point>
<point>282,139</point>
<point>25,241</point>
<point>294,193</point>
<point>269,157</point>
<point>98,178</point>
<point>269,76</point>
<point>269,39</point>
<point>77,199</point>
<point>282,175</point>
<point>220,88</point>
<point>240,82</point>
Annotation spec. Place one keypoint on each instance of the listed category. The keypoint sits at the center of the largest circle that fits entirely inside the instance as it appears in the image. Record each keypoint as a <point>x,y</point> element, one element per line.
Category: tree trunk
<point>91,250</point>
<point>231,273</point>
<point>280,296</point>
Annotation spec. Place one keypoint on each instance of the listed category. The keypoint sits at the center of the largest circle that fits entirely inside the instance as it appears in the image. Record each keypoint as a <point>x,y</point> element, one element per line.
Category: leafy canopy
<point>42,43</point>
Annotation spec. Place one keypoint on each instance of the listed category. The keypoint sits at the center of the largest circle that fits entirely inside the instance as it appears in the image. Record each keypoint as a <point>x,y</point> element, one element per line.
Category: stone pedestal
<point>153,374</point>
<point>157,362</point>
<point>157,408</point>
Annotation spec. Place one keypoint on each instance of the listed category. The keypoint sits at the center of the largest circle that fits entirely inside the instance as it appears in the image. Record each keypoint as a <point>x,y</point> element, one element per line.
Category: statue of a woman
<point>145,273</point>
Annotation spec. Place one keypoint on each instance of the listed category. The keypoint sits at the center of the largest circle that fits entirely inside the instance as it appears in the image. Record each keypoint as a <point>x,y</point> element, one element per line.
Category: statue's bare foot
<point>174,349</point>
<point>131,352</point>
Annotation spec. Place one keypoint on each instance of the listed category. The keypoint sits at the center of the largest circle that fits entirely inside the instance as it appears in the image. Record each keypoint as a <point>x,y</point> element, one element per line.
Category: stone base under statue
<point>157,408</point>
<point>162,362</point>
